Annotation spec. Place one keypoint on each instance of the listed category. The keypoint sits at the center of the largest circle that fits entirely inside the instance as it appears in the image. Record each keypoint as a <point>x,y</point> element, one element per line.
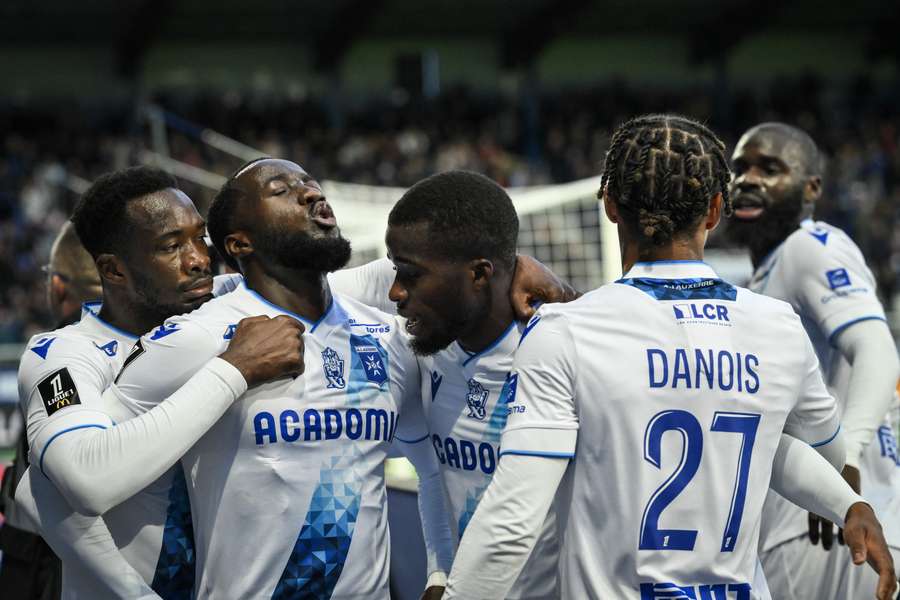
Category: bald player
<point>820,271</point>
<point>29,568</point>
<point>72,278</point>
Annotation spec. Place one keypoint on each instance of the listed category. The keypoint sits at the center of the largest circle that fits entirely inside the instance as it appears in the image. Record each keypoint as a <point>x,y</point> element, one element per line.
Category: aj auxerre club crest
<point>476,399</point>
<point>334,368</point>
<point>372,363</point>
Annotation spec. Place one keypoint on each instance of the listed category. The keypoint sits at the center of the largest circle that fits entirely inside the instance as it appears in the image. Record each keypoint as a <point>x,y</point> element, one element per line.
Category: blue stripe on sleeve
<point>424,437</point>
<point>834,435</point>
<point>835,333</point>
<point>59,433</point>
<point>535,453</point>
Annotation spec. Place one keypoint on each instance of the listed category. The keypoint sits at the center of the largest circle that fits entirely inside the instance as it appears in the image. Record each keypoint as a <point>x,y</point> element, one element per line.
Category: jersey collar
<point>90,316</point>
<point>334,314</point>
<point>506,340</point>
<point>671,269</point>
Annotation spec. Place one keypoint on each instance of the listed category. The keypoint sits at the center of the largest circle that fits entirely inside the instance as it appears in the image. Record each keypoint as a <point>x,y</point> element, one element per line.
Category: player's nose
<point>398,294</point>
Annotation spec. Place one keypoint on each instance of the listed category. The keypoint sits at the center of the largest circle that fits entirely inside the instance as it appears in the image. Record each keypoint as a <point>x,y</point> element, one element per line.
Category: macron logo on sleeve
<point>42,346</point>
<point>837,278</point>
<point>164,330</point>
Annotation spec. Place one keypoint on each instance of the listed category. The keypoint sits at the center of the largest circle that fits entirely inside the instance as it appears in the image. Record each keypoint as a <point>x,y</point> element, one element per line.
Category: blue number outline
<point>683,422</point>
<point>745,424</point>
<point>651,537</point>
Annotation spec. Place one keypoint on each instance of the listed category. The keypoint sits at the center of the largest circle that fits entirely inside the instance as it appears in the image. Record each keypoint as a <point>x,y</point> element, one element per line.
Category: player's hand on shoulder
<point>533,284</point>
<point>264,348</point>
<point>865,539</point>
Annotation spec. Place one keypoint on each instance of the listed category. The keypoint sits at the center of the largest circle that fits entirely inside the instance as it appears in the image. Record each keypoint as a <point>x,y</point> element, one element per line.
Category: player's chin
<point>427,343</point>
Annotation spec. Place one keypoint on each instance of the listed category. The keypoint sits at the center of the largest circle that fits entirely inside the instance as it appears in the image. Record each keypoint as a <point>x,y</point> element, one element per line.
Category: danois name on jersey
<point>707,368</point>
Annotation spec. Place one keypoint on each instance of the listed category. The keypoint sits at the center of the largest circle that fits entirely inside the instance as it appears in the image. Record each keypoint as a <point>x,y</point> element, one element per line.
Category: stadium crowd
<point>48,154</point>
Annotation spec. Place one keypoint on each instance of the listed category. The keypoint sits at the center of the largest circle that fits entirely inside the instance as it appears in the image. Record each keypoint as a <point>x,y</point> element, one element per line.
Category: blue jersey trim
<point>490,346</point>
<point>416,441</point>
<point>313,324</point>
<point>87,309</point>
<point>835,333</point>
<point>650,263</point>
<point>536,453</point>
<point>834,435</point>
<point>59,433</point>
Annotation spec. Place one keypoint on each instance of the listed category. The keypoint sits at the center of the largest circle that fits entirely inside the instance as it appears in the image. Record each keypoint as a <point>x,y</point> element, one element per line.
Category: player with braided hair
<point>662,170</point>
<point>657,410</point>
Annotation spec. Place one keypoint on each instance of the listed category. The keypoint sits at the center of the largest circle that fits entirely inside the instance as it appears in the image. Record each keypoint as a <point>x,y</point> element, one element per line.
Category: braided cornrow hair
<point>662,171</point>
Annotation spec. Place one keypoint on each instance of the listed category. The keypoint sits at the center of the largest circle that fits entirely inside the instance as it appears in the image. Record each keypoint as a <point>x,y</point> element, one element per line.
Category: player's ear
<point>111,269</point>
<point>812,191</point>
<point>714,214</point>
<point>481,269</point>
<point>609,206</point>
<point>238,245</point>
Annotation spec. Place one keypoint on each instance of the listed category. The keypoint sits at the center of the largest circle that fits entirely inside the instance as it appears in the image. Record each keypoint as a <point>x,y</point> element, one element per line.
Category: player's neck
<point>484,331</point>
<point>128,316</point>
<point>678,249</point>
<point>305,293</point>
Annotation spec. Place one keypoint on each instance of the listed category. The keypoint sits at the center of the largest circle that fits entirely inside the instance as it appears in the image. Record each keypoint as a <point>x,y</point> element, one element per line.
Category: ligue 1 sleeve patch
<point>58,391</point>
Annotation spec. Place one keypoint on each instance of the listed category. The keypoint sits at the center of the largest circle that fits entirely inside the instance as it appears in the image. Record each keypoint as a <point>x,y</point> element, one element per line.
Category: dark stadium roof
<point>522,26</point>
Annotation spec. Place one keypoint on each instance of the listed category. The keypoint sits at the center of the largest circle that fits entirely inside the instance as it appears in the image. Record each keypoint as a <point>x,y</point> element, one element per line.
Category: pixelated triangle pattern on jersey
<point>174,575</point>
<point>321,549</point>
<point>683,289</point>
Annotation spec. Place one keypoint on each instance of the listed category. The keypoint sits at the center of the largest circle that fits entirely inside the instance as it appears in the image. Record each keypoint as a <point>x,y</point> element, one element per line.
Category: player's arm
<point>838,291</point>
<point>537,444</point>
<point>874,369</point>
<point>369,283</point>
<point>82,542</point>
<point>96,468</point>
<point>804,477</point>
<point>533,284</point>
<point>412,441</point>
<point>815,419</point>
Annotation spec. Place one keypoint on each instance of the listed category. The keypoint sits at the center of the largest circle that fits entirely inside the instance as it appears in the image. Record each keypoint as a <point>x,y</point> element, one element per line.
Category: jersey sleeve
<point>60,391</point>
<point>412,426</point>
<point>369,284</point>
<point>814,418</point>
<point>835,287</point>
<point>543,418</point>
<point>163,360</point>
<point>222,284</point>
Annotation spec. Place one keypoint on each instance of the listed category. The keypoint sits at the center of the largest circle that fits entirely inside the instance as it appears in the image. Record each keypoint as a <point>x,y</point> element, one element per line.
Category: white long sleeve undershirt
<point>96,469</point>
<point>875,368</point>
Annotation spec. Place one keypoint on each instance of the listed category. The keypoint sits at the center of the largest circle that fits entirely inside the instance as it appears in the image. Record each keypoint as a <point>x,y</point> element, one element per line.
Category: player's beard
<point>777,222</point>
<point>460,314</point>
<point>438,337</point>
<point>299,250</point>
<point>152,302</point>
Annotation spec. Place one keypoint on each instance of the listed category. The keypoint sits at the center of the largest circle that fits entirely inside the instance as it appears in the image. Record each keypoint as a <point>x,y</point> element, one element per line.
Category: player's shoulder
<point>60,345</point>
<point>816,239</point>
<point>208,325</point>
<point>68,346</point>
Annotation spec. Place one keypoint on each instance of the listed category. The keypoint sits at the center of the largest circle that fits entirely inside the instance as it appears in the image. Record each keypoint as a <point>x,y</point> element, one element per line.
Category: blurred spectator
<point>395,141</point>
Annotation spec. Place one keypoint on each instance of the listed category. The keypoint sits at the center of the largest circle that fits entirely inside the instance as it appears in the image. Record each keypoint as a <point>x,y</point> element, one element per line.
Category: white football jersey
<point>669,390</point>
<point>287,489</point>
<point>61,378</point>
<point>821,273</point>
<point>464,398</point>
